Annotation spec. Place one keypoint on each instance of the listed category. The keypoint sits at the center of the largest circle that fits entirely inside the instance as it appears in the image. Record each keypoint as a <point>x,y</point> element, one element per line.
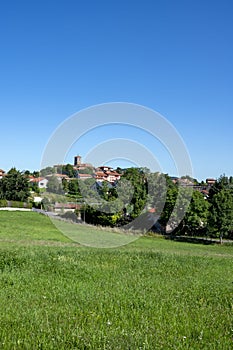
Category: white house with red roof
<point>40,181</point>
<point>106,173</point>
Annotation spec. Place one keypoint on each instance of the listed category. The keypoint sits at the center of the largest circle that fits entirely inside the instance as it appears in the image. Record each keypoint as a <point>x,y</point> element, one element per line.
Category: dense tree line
<point>220,221</point>
<point>14,186</point>
<point>187,211</point>
<point>139,196</point>
<point>179,210</point>
<point>210,216</point>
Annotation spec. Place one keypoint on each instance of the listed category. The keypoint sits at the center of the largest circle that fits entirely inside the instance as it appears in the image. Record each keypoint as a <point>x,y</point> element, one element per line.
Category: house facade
<point>106,173</point>
<point>210,181</point>
<point>40,181</point>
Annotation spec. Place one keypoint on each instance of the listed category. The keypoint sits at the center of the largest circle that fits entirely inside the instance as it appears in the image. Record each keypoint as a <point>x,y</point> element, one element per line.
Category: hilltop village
<point>115,197</point>
<point>84,171</point>
<point>78,170</point>
<point>53,177</point>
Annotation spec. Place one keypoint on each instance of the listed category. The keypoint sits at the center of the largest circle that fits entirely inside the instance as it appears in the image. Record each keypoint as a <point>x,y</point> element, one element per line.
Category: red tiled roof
<point>113,173</point>
<point>152,210</point>
<point>101,177</point>
<point>211,180</point>
<point>67,205</point>
<point>100,173</point>
<point>85,175</point>
<point>36,179</point>
<point>60,175</point>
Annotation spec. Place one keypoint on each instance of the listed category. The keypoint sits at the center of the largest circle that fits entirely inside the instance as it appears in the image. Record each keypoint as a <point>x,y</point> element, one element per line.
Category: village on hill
<point>78,170</point>
<point>83,171</point>
<point>117,197</point>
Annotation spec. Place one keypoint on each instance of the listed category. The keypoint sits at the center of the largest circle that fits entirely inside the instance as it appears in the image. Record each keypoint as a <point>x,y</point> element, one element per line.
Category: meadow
<point>150,294</point>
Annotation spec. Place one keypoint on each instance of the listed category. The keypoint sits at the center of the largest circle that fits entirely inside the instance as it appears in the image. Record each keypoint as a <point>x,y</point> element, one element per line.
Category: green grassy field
<point>150,294</point>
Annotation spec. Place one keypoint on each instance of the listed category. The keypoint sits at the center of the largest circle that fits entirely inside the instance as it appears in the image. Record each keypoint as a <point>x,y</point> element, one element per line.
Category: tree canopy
<point>14,186</point>
<point>221,214</point>
<point>139,194</point>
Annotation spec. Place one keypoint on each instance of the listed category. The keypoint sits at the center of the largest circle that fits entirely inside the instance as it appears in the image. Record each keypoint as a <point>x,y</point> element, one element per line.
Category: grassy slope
<point>28,226</point>
<point>150,294</point>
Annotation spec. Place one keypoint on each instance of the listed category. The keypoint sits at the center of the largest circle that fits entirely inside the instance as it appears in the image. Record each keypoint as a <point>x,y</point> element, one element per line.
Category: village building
<point>40,181</point>
<point>106,173</point>
<point>78,165</point>
<point>85,176</point>
<point>210,181</point>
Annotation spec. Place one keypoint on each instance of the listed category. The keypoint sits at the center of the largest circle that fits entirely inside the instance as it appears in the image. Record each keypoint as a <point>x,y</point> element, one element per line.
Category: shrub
<point>3,203</point>
<point>69,216</point>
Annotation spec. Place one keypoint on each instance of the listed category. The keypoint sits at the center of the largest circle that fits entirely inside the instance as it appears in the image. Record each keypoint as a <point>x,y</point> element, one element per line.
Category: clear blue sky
<point>176,57</point>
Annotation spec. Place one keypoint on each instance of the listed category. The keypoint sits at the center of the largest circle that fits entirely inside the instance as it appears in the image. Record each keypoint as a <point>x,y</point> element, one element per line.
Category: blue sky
<point>59,57</point>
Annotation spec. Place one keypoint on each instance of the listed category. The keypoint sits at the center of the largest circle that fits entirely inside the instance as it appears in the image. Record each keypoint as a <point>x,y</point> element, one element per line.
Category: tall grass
<point>152,294</point>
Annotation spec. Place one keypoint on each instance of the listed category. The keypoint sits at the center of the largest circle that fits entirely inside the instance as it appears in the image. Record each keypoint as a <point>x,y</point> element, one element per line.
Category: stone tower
<point>77,160</point>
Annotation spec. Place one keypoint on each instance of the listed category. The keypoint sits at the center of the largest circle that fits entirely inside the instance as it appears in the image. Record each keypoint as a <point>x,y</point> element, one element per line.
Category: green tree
<point>54,185</point>
<point>34,187</point>
<point>157,188</point>
<point>47,171</point>
<point>220,221</point>
<point>104,190</point>
<point>181,206</point>
<point>139,196</point>
<point>176,205</point>
<point>124,191</point>
<point>196,217</point>
<point>65,185</point>
<point>68,170</point>
<point>119,170</point>
<point>222,183</point>
<point>103,203</point>
<point>36,173</point>
<point>87,170</point>
<point>14,186</point>
<point>73,188</point>
<point>88,190</point>
<point>171,196</point>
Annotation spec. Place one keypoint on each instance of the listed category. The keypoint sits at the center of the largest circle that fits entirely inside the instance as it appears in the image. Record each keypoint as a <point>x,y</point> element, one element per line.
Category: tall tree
<point>139,195</point>
<point>176,205</point>
<point>73,188</point>
<point>220,221</point>
<point>157,189</point>
<point>223,182</point>
<point>196,217</point>
<point>14,186</point>
<point>54,185</point>
<point>68,170</point>
<point>47,171</point>
<point>171,196</point>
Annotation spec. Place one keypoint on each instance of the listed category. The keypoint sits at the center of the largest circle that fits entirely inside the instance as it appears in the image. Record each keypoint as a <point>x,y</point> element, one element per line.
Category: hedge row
<point>14,204</point>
